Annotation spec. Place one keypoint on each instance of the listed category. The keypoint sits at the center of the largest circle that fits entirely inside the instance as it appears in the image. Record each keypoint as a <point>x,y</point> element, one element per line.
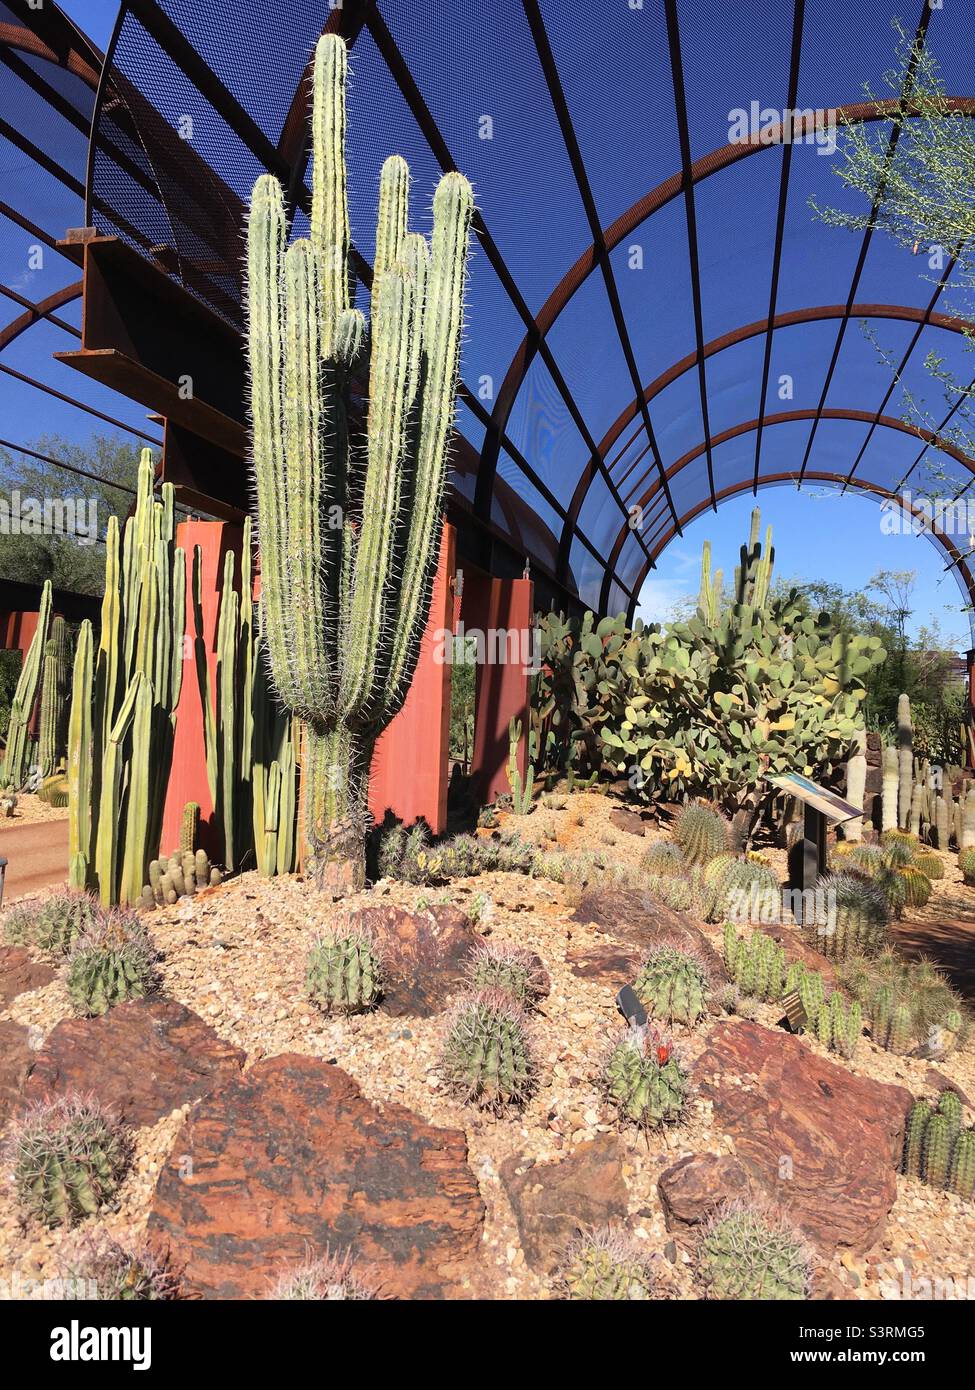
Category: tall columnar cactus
<point>856,781</point>
<point>889,789</point>
<point>967,838</point>
<point>16,758</point>
<point>349,521</point>
<point>54,699</point>
<point>124,701</point>
<point>905,760</point>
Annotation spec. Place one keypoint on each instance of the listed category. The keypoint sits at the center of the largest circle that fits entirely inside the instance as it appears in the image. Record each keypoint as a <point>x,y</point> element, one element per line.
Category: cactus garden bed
<point>235,956</point>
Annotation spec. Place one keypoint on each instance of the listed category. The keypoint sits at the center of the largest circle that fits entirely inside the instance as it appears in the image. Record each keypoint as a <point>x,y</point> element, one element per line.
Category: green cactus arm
<point>80,757</point>
<point>330,206</point>
<point>203,676</point>
<point>391,225</point>
<point>138,823</point>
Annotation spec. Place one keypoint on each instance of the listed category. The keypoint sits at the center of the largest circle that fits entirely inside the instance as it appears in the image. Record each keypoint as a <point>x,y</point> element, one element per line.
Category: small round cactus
<point>857,915</point>
<point>930,864</point>
<point>328,1280</point>
<point>68,1157</point>
<point>344,972</point>
<point>746,892</point>
<point>99,1268</point>
<point>700,834</point>
<point>673,985</point>
<point>966,862</point>
<point>663,860</point>
<point>748,1252</point>
<point>113,961</point>
<point>917,885</point>
<point>51,924</point>
<point>606,1265</point>
<point>645,1081</point>
<point>487,1054</point>
<point>516,972</point>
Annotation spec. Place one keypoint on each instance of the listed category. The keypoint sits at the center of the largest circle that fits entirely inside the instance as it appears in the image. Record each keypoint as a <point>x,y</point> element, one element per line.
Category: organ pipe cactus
<point>889,789</point>
<point>905,760</point>
<point>54,699</point>
<point>856,781</point>
<point>16,758</point>
<point>349,521</point>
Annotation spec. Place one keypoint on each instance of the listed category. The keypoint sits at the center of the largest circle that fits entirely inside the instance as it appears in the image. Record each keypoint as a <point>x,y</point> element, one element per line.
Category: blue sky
<point>817,534</point>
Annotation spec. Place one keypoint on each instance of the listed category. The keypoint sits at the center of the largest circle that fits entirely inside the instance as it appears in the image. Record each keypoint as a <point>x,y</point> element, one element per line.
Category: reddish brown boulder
<point>642,921</point>
<point>290,1159</point>
<point>822,1142</point>
<point>18,973</point>
<point>691,1189</point>
<point>142,1059</point>
<point>16,1056</point>
<point>425,955</point>
<point>612,965</point>
<point>553,1202</point>
<point>630,822</point>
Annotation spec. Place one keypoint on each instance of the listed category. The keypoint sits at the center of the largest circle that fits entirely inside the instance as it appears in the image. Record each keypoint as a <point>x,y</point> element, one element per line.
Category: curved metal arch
<point>784,417</point>
<point>57,300</point>
<point>958,561</point>
<point>902,312</point>
<point>652,202</point>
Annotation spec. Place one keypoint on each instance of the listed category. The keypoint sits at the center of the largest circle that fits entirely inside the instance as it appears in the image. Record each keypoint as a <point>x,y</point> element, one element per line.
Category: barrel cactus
<point>917,885</point>
<point>673,984</point>
<point>51,924</point>
<point>856,917</point>
<point>663,860</point>
<point>113,961</point>
<point>349,518</point>
<point>344,972</point>
<point>700,834</point>
<point>55,684</point>
<point>747,1252</point>
<point>487,1055</point>
<point>331,1279</point>
<point>606,1265</point>
<point>966,863</point>
<point>67,1157</point>
<point>930,863</point>
<point>503,966</point>
<point>746,891</point>
<point>645,1081</point>
<point>102,1269</point>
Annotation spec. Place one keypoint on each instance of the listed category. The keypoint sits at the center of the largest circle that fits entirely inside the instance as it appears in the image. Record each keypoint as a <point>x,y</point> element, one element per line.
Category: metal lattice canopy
<point>642,283</point>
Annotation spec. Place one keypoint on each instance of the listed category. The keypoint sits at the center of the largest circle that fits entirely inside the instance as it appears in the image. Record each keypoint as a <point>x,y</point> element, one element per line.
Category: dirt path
<point>37,857</point>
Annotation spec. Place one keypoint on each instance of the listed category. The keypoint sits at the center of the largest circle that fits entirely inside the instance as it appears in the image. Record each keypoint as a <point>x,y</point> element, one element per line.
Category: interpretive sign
<point>820,804</point>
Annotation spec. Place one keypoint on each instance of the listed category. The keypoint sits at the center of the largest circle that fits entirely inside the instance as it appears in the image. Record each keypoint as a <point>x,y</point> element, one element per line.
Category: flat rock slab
<point>19,973</point>
<point>611,964</point>
<point>641,921</point>
<point>822,1142</point>
<point>16,1057</point>
<point>142,1059</point>
<point>289,1160</point>
<point>795,948</point>
<point>553,1202</point>
<point>425,956</point>
<point>631,822</point>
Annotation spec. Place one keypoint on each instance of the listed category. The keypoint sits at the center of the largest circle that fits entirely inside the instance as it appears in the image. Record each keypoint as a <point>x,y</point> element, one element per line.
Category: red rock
<point>613,965</point>
<point>640,920</point>
<point>425,955</point>
<point>19,973</point>
<point>16,1056</point>
<point>142,1059</point>
<point>289,1159</point>
<point>824,1143</point>
<point>691,1189</point>
<point>553,1202</point>
<point>790,939</point>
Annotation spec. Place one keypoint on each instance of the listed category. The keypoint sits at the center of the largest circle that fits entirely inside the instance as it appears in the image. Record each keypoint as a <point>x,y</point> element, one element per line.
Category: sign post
<point>819,805</point>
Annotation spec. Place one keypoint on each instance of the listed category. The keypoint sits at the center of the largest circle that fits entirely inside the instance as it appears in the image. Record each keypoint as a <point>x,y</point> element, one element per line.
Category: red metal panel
<point>188,776</point>
<point>409,774</point>
<point>496,607</point>
<point>17,631</point>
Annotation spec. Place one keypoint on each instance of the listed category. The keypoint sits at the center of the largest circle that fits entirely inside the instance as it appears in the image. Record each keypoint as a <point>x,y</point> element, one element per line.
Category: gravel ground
<point>30,810</point>
<point>235,954</point>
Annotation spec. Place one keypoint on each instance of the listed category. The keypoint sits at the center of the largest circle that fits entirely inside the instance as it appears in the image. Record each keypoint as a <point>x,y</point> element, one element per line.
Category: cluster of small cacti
<point>663,860</point>
<point>499,965</point>
<point>756,966</point>
<point>748,1252</point>
<point>937,1149</point>
<point>51,924</point>
<point>67,1157</point>
<point>700,834</point>
<point>836,1024</point>
<point>521,791</point>
<point>344,971</point>
<point>102,1269</point>
<point>907,1003</point>
<point>179,876</point>
<point>857,914</point>
<point>606,1265</point>
<point>112,961</point>
<point>644,1079</point>
<point>488,1058</point>
<point>332,1279</point>
<point>673,984</point>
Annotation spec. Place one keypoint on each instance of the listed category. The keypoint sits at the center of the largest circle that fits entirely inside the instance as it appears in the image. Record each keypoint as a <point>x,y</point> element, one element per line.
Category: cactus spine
<point>16,758</point>
<point>344,602</point>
